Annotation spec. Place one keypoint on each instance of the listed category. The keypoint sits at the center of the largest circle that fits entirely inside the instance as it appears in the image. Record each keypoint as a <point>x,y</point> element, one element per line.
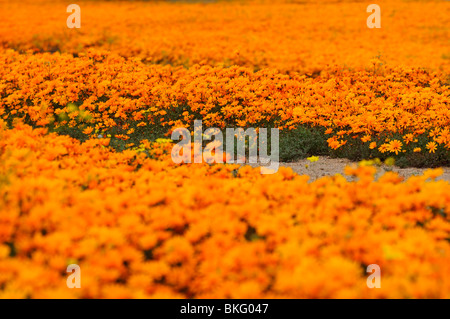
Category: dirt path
<point>327,166</point>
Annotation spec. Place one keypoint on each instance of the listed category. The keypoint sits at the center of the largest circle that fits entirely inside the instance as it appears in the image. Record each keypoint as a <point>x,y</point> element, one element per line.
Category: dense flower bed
<point>385,110</point>
<point>286,36</point>
<point>86,176</point>
<point>141,227</point>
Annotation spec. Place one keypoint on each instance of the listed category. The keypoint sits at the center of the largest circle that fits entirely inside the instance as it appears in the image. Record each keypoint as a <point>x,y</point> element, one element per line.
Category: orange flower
<point>408,138</point>
<point>395,146</point>
<point>141,226</point>
<point>431,146</point>
<point>88,130</point>
<point>384,148</point>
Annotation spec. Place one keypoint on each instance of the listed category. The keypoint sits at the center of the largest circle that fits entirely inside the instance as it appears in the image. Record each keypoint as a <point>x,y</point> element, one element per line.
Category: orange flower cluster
<point>101,92</point>
<point>140,227</point>
<point>286,36</point>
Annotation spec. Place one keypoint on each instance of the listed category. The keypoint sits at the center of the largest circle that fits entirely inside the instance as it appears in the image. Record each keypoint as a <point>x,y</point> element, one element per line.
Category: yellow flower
<point>373,162</point>
<point>390,161</point>
<point>163,140</point>
<point>366,163</point>
<point>313,159</point>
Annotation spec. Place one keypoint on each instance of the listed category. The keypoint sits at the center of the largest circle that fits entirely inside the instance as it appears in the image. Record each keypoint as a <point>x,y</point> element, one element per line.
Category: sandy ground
<point>327,166</point>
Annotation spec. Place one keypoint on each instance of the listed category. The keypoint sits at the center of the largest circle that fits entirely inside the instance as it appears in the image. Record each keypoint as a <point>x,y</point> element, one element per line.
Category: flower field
<point>87,178</point>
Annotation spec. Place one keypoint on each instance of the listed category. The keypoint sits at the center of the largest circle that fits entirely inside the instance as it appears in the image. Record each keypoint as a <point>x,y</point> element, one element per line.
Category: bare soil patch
<point>327,166</point>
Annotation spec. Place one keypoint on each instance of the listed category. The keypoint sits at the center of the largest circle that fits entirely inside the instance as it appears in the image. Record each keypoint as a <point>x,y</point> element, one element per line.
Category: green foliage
<point>294,144</point>
<point>302,142</point>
